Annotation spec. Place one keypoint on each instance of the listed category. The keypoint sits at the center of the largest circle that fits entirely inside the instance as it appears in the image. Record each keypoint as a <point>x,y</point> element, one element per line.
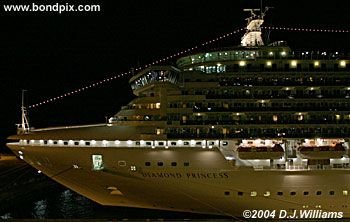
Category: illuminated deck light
<point>242,63</point>
<point>316,63</point>
<point>104,142</point>
<point>20,152</point>
<point>342,64</point>
<point>283,53</point>
<point>293,63</point>
<point>269,63</point>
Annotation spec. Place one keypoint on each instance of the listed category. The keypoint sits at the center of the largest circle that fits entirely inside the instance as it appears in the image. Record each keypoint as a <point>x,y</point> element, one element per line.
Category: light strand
<point>158,61</point>
<point>306,29</point>
<point>180,53</point>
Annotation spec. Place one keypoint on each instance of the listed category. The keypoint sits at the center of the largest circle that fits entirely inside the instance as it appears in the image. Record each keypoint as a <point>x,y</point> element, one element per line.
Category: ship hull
<point>202,181</point>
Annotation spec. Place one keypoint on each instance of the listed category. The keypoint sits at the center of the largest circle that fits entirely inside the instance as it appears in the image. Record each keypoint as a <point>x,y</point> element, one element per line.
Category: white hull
<point>210,184</point>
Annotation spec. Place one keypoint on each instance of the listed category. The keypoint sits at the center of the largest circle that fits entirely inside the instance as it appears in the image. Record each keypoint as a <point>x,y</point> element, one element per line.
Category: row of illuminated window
<point>257,131</point>
<point>291,193</point>
<point>129,143</point>
<point>291,65</point>
<point>155,76</point>
<point>305,80</point>
<point>275,93</point>
<point>270,105</point>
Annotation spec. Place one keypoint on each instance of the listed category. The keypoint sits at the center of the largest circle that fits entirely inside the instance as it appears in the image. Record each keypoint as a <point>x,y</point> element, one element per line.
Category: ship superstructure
<point>249,127</point>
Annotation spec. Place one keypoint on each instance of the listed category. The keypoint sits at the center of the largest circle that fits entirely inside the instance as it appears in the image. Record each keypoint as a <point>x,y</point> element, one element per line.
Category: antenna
<point>24,126</point>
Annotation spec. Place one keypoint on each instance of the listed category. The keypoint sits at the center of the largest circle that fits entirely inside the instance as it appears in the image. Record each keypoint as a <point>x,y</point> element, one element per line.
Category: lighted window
<point>345,192</point>
<point>267,194</point>
<point>293,63</point>
<point>269,63</point>
<point>97,162</point>
<point>316,63</point>
<point>253,194</point>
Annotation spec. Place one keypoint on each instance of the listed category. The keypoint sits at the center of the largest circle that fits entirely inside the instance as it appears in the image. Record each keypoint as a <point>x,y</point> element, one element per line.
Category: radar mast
<point>23,127</point>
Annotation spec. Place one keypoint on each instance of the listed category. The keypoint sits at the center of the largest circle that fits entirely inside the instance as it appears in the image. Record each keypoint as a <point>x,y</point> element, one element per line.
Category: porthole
<point>240,193</point>
<point>65,143</point>
<point>173,164</point>
<point>318,193</point>
<point>186,143</point>
<point>148,143</point>
<point>160,164</point>
<point>87,143</point>
<point>147,163</point>
<point>306,193</point>
<point>331,192</point>
<point>186,164</point>
<point>76,143</point>
<point>227,193</point>
<point>173,143</point>
<point>225,143</point>
<point>279,193</point>
<point>293,193</point>
<point>253,194</point>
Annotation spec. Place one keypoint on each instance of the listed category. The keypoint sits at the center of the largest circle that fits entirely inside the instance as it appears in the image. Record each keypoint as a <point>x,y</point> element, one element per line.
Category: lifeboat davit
<point>260,152</point>
<point>322,152</point>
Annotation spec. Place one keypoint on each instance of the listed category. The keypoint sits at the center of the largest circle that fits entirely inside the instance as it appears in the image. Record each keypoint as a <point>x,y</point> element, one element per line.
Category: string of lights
<point>175,55</point>
<point>158,61</point>
<point>305,29</point>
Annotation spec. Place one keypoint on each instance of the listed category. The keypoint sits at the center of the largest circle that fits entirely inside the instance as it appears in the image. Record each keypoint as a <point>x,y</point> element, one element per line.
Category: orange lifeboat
<point>260,153</point>
<point>322,152</point>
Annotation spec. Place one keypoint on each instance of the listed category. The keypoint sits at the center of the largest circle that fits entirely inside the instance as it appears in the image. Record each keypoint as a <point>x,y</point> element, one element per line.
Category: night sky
<point>50,54</point>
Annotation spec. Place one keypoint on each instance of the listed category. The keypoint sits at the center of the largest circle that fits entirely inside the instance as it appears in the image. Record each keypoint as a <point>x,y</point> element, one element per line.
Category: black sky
<point>50,54</point>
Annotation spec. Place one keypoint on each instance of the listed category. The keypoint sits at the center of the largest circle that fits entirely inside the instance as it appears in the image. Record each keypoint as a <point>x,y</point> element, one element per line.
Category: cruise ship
<point>251,127</point>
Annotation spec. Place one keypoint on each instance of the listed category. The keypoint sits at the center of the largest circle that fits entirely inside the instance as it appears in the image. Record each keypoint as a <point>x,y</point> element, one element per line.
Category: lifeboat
<point>322,152</point>
<point>261,152</point>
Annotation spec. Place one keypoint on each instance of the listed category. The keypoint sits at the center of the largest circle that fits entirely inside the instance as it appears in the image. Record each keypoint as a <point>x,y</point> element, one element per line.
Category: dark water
<point>26,194</point>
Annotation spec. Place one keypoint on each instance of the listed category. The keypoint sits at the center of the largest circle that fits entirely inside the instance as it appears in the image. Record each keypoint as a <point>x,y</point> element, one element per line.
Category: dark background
<point>50,54</point>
